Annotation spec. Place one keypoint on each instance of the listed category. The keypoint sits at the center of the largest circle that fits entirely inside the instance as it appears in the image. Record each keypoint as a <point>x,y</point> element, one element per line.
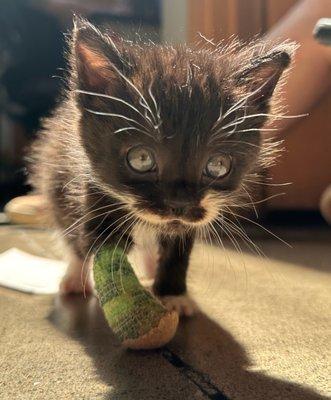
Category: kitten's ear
<point>260,78</point>
<point>96,57</point>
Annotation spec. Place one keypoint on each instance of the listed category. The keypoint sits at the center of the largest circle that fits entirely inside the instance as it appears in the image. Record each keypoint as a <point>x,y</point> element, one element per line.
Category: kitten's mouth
<point>171,224</point>
<point>175,223</point>
<point>196,217</point>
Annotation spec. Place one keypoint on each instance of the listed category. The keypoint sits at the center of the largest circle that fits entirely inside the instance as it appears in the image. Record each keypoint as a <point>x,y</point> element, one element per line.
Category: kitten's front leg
<point>170,281</point>
<point>77,278</point>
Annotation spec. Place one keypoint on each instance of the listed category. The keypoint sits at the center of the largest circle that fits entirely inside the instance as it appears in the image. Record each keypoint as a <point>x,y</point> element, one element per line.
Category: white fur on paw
<point>72,283</point>
<point>147,283</point>
<point>184,305</point>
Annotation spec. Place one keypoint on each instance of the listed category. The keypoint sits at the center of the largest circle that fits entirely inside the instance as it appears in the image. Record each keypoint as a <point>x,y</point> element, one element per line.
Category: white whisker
<point>263,228</point>
<point>267,183</point>
<point>132,128</point>
<point>114,115</point>
<point>106,96</point>
<point>157,126</point>
<point>74,225</point>
<point>251,200</point>
<point>143,102</point>
<point>91,249</point>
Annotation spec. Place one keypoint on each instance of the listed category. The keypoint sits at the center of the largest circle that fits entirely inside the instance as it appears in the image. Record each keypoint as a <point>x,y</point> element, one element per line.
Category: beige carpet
<point>265,333</point>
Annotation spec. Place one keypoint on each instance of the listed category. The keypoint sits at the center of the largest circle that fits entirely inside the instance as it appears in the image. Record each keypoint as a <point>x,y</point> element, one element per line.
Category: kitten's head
<point>173,132</point>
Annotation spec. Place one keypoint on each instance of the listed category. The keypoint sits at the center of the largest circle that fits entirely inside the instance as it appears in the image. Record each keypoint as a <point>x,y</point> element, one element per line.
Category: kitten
<point>151,146</point>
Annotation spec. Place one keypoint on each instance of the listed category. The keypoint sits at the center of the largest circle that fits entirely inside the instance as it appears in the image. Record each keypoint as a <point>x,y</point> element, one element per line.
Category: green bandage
<point>132,312</point>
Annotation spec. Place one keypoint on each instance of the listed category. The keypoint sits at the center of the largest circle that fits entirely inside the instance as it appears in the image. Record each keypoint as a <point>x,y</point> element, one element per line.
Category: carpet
<point>264,331</point>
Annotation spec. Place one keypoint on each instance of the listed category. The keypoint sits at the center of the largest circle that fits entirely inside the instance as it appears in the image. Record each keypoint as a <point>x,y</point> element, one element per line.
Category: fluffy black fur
<point>185,105</point>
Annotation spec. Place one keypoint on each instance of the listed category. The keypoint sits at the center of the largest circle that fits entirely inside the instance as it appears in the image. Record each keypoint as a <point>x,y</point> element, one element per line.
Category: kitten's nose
<point>177,211</point>
<point>177,207</point>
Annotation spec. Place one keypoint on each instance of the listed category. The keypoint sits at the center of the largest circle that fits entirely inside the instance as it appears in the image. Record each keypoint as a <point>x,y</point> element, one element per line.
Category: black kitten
<point>151,146</point>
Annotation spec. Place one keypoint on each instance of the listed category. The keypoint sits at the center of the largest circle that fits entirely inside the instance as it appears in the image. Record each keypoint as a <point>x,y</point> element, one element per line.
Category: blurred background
<point>31,66</point>
<point>32,44</point>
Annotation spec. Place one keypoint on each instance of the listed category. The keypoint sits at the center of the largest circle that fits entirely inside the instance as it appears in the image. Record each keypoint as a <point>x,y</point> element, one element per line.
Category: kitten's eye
<point>141,159</point>
<point>218,166</point>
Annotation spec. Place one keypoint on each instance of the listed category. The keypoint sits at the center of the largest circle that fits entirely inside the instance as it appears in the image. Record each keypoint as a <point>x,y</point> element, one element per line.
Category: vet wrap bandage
<point>132,312</point>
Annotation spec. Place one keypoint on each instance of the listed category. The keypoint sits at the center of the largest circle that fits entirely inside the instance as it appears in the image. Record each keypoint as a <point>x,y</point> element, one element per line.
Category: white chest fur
<point>144,254</point>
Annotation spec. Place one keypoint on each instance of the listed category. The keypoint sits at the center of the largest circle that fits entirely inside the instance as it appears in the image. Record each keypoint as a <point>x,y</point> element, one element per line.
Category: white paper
<point>29,273</point>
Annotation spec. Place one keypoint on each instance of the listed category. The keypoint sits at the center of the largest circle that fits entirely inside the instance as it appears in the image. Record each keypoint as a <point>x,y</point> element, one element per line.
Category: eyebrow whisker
<point>106,96</point>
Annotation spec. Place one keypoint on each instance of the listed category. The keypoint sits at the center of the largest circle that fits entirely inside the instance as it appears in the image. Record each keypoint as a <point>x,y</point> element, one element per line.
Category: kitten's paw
<point>183,304</point>
<point>147,284</point>
<point>72,283</point>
